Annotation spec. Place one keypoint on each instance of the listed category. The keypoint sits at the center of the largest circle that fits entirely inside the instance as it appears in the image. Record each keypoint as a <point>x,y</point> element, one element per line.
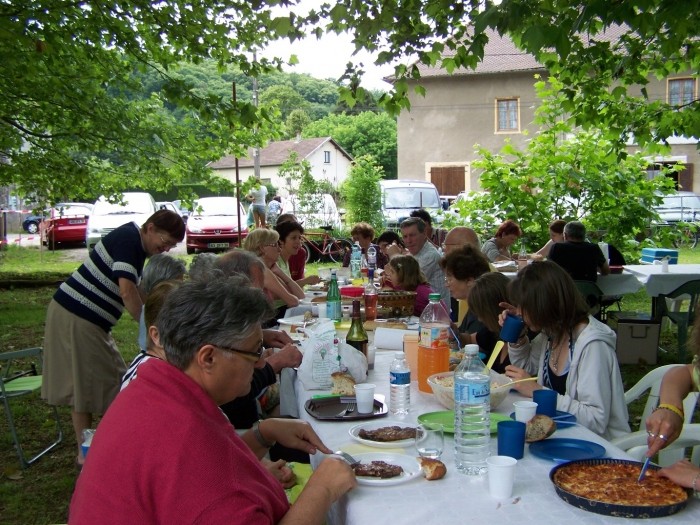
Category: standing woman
<point>290,233</point>
<point>82,365</point>
<point>279,286</point>
<point>257,198</point>
<point>497,248</point>
<point>574,353</point>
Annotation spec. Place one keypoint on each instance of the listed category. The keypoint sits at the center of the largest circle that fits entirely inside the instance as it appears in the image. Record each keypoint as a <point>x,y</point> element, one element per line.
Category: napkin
<point>389,338</point>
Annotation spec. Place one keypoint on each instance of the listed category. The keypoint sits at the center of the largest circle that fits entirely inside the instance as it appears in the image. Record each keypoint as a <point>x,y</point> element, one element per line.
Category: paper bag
<point>323,355</point>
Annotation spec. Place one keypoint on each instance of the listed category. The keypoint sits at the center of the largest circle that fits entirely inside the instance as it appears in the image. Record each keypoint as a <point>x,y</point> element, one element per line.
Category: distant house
<point>495,102</point>
<point>329,161</point>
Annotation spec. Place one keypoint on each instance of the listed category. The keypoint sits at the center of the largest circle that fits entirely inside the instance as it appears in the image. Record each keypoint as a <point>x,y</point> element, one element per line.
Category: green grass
<point>41,494</point>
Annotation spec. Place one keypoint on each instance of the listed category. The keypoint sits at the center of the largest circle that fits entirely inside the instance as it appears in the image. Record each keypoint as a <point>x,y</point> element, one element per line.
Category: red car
<point>213,225</point>
<point>65,224</point>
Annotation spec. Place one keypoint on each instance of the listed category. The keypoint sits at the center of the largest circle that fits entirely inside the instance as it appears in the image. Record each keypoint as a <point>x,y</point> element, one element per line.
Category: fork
<point>347,457</point>
<point>350,407</point>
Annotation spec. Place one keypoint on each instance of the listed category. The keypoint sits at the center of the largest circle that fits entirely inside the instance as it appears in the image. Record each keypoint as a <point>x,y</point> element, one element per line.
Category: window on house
<point>681,91</point>
<point>327,157</point>
<point>507,115</point>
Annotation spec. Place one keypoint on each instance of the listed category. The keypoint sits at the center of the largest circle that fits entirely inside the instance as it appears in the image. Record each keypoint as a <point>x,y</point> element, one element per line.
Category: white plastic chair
<point>652,383</point>
<point>635,444</point>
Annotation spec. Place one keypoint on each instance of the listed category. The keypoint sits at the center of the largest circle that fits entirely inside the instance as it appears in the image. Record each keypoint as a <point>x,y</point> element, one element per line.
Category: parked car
<point>682,206</point>
<point>184,212</point>
<point>66,223</point>
<point>214,226</point>
<point>105,216</point>
<point>31,223</point>
<point>166,205</point>
<point>400,197</point>
<point>313,211</point>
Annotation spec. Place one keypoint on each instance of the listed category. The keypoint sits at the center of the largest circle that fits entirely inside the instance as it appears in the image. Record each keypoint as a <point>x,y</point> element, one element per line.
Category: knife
<point>644,470</point>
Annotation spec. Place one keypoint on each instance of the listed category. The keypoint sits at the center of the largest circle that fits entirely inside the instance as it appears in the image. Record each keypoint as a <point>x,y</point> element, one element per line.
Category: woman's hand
<point>394,249</point>
<point>682,473</point>
<point>507,309</point>
<point>526,388</point>
<point>663,427</point>
<point>293,433</point>
<point>280,471</point>
<point>335,476</point>
<point>311,279</point>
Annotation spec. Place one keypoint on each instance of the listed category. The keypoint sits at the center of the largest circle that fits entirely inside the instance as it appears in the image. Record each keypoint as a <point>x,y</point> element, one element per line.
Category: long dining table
<point>657,282</point>
<point>458,498</point>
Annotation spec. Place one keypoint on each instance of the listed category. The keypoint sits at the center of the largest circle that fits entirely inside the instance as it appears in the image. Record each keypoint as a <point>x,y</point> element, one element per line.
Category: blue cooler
<point>649,255</point>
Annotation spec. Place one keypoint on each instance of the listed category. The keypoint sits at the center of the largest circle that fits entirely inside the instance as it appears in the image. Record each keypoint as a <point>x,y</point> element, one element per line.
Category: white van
<point>401,197</point>
<point>105,217</point>
<point>313,211</point>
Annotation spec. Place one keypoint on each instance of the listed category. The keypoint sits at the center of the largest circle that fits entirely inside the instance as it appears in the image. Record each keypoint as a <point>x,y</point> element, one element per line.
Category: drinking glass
<point>430,440</point>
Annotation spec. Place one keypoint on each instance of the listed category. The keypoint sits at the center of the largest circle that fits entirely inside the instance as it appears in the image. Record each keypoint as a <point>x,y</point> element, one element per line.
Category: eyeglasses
<point>167,244</point>
<point>253,356</point>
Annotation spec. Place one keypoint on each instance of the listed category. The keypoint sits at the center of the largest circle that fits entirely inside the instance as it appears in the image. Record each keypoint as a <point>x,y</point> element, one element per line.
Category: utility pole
<point>256,151</point>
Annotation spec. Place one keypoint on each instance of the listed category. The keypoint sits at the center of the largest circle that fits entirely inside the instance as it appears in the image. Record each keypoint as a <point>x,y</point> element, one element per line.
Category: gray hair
<point>161,267</point>
<point>239,262</point>
<point>575,230</point>
<point>407,223</point>
<point>202,265</point>
<point>221,312</point>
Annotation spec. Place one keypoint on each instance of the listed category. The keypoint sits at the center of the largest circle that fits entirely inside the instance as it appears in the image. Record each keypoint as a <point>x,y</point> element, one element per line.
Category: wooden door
<point>448,180</point>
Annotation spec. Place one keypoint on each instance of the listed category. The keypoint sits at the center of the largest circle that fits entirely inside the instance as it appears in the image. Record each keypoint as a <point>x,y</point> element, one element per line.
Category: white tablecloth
<point>458,498</point>
<point>657,282</point>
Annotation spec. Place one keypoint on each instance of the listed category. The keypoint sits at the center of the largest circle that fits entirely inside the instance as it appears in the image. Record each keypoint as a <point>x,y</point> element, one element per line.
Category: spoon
<point>494,354</point>
<point>533,378</point>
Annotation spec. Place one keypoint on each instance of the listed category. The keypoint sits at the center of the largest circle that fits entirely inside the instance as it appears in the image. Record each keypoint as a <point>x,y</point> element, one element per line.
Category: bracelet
<point>258,435</point>
<point>672,408</point>
<point>523,340</point>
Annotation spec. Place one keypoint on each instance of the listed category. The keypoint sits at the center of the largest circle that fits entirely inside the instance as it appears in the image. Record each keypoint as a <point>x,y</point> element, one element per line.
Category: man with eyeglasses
<point>82,365</point>
<point>187,464</point>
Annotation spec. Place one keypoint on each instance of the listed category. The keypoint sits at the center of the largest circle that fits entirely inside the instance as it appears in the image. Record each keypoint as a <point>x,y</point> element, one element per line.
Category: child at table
<point>574,353</point>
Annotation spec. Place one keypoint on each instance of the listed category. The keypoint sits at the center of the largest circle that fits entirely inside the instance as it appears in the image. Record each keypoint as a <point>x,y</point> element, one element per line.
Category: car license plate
<point>76,221</point>
<point>218,245</point>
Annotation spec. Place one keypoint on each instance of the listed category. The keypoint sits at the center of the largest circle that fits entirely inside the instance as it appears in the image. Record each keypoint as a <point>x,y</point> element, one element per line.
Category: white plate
<point>373,425</point>
<point>411,468</point>
<point>294,320</point>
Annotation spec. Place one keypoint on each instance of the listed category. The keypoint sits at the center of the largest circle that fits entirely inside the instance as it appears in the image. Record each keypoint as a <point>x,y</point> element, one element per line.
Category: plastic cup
<point>371,352</point>
<point>430,440</point>
<point>546,402</point>
<point>511,439</point>
<point>512,328</point>
<point>410,348</point>
<point>364,395</point>
<point>501,476</point>
<point>525,410</point>
<point>322,311</point>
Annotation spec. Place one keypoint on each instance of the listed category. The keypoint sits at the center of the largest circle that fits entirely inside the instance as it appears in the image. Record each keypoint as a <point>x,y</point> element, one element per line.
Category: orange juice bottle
<point>434,345</point>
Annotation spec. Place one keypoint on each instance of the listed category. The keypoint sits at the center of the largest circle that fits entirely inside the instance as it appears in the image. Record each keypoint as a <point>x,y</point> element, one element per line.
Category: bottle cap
<point>434,296</point>
<point>399,355</point>
<point>471,349</point>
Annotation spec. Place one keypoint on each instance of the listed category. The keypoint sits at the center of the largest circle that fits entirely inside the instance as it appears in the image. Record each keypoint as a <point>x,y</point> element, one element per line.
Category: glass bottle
<point>357,336</point>
<point>333,306</point>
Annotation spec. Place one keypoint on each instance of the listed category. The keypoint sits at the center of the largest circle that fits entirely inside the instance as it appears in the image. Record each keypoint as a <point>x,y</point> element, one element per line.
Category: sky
<point>327,57</point>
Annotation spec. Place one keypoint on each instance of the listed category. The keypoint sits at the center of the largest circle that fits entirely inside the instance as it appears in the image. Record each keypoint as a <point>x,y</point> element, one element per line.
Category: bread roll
<point>343,384</point>
<point>539,427</point>
<point>432,468</point>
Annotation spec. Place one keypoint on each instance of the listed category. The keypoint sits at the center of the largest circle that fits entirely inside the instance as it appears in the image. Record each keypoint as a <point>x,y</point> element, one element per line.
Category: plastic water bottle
<point>434,346</point>
<point>371,258</point>
<point>333,305</point>
<point>370,298</point>
<point>355,261</point>
<point>522,257</point>
<point>472,413</point>
<point>400,384</point>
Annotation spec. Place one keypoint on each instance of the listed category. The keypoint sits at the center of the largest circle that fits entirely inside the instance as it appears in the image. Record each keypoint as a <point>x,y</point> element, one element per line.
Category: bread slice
<point>432,468</point>
<point>343,384</point>
<point>539,427</point>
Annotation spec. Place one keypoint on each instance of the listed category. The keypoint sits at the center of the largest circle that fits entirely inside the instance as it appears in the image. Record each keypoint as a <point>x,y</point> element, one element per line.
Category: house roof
<point>502,56</point>
<point>276,153</point>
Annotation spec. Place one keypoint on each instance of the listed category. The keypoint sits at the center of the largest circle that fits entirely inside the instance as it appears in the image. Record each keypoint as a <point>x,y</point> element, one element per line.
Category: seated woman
<point>664,425</point>
<point>388,238</point>
<point>212,337</point>
<point>497,248</point>
<point>485,297</point>
<point>462,267</point>
<point>363,233</point>
<point>574,354</point>
<point>279,286</point>
<point>556,234</point>
<point>292,259</point>
<point>404,273</point>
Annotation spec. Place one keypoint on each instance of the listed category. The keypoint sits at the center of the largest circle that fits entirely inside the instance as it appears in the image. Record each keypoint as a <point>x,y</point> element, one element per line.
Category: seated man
<point>435,235</point>
<point>581,259</point>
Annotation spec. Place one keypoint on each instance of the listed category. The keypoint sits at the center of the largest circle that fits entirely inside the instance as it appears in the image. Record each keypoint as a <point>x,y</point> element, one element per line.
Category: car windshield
<point>65,211</point>
<point>411,198</point>
<point>218,206</point>
<point>681,201</point>
<point>132,205</point>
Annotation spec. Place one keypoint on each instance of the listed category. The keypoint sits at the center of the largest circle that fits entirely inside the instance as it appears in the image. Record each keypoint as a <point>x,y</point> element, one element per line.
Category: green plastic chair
<point>16,383</point>
<point>690,292</point>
